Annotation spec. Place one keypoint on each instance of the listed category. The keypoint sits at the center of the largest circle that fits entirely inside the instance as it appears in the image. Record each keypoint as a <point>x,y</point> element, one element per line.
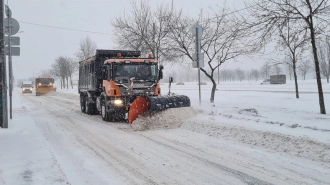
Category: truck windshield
<point>45,80</point>
<point>27,85</point>
<point>140,72</point>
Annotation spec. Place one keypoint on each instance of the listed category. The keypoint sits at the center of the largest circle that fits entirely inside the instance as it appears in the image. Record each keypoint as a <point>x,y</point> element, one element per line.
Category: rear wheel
<point>88,108</point>
<point>94,109</point>
<point>82,103</point>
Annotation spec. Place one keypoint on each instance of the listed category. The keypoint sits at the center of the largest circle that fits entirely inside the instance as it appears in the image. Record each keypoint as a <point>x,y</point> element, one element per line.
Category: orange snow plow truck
<point>120,84</point>
<point>44,84</point>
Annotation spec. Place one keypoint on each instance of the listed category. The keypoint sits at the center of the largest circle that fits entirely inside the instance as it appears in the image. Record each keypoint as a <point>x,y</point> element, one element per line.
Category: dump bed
<point>90,70</point>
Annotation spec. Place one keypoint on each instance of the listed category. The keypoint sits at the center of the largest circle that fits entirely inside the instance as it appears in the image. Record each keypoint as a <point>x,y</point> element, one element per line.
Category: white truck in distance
<point>27,87</point>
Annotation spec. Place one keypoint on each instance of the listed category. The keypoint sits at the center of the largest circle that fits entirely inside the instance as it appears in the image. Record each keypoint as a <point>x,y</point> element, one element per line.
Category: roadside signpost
<point>198,57</point>
<point>14,40</point>
<point>11,27</point>
<point>3,76</point>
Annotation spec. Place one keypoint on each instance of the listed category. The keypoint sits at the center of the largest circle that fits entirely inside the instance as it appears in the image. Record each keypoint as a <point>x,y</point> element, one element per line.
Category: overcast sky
<point>41,45</point>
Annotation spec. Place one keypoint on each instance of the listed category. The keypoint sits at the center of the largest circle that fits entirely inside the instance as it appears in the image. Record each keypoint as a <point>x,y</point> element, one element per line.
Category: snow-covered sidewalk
<point>25,156</point>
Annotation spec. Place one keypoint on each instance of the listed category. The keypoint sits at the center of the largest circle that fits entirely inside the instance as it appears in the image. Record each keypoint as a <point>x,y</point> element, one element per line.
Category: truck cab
<point>44,84</point>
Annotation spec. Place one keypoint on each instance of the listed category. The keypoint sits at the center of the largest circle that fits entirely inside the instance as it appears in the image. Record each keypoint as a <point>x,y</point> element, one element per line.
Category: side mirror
<point>171,79</point>
<point>160,74</point>
<point>161,67</point>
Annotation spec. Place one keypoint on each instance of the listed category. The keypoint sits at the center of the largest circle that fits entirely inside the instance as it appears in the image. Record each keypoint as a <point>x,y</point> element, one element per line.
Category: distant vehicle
<point>180,83</point>
<point>44,85</point>
<point>27,87</point>
<point>203,83</point>
<point>267,81</point>
<point>278,79</point>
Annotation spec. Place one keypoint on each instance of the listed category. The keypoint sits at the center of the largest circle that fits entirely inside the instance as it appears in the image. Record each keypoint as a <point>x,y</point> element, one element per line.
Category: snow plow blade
<point>44,90</point>
<point>143,104</point>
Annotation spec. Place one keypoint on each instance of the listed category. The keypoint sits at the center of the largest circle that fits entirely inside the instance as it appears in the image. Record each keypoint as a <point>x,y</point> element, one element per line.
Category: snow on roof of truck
<point>44,77</point>
<point>27,82</point>
<point>133,60</point>
<point>112,54</point>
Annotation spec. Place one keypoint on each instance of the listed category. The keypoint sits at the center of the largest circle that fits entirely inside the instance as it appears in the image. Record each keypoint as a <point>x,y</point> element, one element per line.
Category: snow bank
<point>167,119</point>
<point>298,146</point>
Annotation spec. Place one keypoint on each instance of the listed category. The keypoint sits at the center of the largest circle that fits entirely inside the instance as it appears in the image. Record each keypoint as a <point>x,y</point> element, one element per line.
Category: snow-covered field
<point>252,134</point>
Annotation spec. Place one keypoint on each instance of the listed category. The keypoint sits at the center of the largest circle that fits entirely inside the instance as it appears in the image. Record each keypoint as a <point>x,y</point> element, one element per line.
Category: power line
<point>86,31</point>
<point>233,12</point>
<point>35,24</point>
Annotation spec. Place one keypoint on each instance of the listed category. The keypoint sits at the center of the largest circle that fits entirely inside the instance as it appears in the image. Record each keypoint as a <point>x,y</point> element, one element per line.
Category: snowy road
<point>90,151</point>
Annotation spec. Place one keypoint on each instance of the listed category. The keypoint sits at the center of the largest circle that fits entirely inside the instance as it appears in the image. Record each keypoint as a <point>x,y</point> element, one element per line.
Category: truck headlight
<point>118,102</point>
<point>50,83</point>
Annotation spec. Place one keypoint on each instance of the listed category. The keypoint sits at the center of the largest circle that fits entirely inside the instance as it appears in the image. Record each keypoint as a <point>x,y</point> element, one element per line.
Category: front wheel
<point>104,113</point>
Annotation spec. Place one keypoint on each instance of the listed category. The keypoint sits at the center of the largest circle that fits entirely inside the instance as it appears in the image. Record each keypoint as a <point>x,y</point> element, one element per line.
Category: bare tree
<point>324,56</point>
<point>277,69</point>
<point>72,67</point>
<point>223,39</point>
<point>145,29</point>
<point>255,74</point>
<point>304,68</point>
<point>240,74</point>
<point>60,69</point>
<point>87,48</point>
<point>265,70</point>
<point>294,42</point>
<point>289,69</point>
<point>232,75</point>
<point>249,75</point>
<point>225,75</point>
<point>307,16</point>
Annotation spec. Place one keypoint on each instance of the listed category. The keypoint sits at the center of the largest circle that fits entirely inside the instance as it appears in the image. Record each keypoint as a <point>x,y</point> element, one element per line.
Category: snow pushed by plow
<point>166,119</point>
<point>297,146</point>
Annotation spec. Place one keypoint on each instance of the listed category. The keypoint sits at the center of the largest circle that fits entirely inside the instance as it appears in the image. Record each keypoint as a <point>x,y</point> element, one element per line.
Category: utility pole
<point>8,13</point>
<point>4,114</point>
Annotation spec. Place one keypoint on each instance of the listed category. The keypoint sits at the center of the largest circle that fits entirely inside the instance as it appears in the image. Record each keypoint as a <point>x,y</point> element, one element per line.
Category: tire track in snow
<point>240,175</point>
<point>159,154</point>
<point>117,159</point>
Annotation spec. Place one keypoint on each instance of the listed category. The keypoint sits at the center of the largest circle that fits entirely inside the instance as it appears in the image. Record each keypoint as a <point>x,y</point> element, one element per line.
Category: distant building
<point>278,79</point>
